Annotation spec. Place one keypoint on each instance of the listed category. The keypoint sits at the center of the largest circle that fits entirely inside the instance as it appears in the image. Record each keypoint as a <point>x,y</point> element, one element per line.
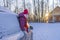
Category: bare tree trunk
<point>24,4</point>
<point>34,10</point>
<point>8,4</point>
<point>53,4</point>
<point>48,5</point>
<point>4,1</point>
<point>42,8</point>
<point>48,9</point>
<point>16,6</point>
<point>38,11</point>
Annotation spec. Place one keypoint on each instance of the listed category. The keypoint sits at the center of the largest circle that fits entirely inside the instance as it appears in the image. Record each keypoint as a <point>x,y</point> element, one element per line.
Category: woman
<point>24,23</point>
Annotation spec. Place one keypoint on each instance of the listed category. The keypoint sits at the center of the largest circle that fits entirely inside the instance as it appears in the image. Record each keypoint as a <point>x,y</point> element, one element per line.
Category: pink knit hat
<point>25,11</point>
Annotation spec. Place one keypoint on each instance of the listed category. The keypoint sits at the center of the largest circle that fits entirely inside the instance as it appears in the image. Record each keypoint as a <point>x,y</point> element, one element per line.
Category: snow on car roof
<point>6,10</point>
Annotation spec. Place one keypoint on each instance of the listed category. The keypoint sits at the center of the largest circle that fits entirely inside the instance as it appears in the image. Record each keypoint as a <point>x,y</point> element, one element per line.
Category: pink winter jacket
<point>22,21</point>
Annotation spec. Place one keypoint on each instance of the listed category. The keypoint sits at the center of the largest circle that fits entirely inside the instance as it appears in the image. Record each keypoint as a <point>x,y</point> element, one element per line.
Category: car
<point>9,25</point>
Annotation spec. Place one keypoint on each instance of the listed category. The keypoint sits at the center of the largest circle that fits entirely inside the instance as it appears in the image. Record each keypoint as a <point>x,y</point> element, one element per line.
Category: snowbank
<point>46,31</point>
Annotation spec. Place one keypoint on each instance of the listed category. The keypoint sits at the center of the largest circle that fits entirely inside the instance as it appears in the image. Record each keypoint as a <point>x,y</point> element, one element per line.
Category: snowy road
<point>41,31</point>
<point>15,36</point>
<point>44,31</point>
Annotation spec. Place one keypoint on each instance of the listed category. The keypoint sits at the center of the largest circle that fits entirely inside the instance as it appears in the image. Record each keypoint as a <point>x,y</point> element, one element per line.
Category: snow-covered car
<point>9,25</point>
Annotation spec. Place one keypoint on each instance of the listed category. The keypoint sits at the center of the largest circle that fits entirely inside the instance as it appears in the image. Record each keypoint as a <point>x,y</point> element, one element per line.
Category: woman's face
<point>26,15</point>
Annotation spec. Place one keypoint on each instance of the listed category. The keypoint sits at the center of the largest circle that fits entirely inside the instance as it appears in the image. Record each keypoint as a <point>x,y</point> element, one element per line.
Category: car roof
<point>6,10</point>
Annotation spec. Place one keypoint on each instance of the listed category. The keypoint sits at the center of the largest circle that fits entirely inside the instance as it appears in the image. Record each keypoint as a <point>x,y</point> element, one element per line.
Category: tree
<point>16,8</point>
<point>24,4</point>
<point>42,7</point>
<point>53,4</point>
<point>34,9</point>
<point>7,3</point>
<point>4,1</point>
<point>48,6</point>
<point>38,11</point>
<point>34,2</point>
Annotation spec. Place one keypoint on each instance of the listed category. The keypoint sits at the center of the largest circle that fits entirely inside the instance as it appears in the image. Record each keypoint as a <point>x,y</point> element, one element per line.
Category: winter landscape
<point>41,31</point>
<point>44,17</point>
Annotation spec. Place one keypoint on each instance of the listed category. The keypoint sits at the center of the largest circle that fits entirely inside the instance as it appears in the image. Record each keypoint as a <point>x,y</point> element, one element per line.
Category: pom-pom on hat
<point>25,11</point>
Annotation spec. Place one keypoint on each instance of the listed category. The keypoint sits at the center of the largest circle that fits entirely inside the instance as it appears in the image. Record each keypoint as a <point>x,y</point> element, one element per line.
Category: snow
<point>15,36</point>
<point>9,28</point>
<point>46,31</point>
<point>42,31</point>
<point>6,10</point>
<point>9,25</point>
